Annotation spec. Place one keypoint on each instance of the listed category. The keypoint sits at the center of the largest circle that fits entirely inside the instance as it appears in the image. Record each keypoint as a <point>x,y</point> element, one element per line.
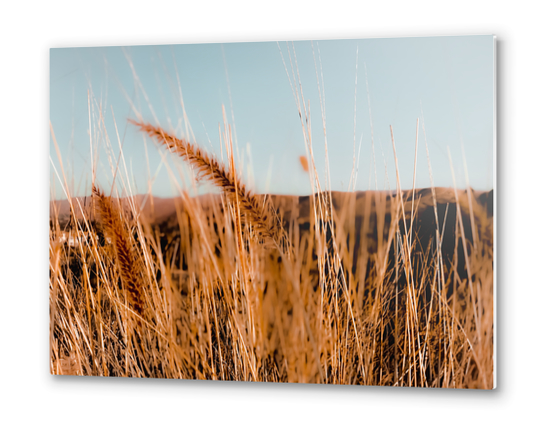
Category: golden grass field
<point>370,288</point>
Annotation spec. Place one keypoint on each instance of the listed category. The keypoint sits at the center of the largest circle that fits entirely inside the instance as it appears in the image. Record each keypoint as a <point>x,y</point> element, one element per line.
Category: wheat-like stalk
<point>253,210</point>
<point>124,253</point>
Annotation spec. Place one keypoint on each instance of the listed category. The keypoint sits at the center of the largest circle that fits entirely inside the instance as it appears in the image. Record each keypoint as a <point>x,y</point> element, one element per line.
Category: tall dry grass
<point>359,295</point>
<point>371,288</point>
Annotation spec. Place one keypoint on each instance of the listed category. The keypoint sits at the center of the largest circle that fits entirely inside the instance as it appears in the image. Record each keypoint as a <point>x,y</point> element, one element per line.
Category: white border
<point>495,226</point>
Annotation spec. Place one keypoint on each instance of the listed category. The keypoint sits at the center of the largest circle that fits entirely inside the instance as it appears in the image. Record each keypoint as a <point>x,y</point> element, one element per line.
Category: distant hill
<point>157,210</point>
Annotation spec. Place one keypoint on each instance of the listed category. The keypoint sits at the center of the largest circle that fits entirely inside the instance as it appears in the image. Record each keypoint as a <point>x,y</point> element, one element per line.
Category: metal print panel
<point>304,212</point>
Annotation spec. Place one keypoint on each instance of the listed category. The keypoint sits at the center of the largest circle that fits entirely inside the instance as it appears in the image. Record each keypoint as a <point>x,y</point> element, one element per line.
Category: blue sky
<point>450,79</point>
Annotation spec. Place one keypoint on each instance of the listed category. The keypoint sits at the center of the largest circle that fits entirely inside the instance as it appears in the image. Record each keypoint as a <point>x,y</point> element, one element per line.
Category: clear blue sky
<point>450,78</point>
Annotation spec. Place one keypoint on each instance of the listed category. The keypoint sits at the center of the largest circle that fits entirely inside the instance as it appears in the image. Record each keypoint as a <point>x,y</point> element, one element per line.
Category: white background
<point>27,31</point>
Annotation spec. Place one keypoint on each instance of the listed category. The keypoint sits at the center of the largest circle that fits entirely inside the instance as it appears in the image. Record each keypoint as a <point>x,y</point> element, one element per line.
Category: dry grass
<point>373,288</point>
<point>115,230</point>
<point>254,212</point>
